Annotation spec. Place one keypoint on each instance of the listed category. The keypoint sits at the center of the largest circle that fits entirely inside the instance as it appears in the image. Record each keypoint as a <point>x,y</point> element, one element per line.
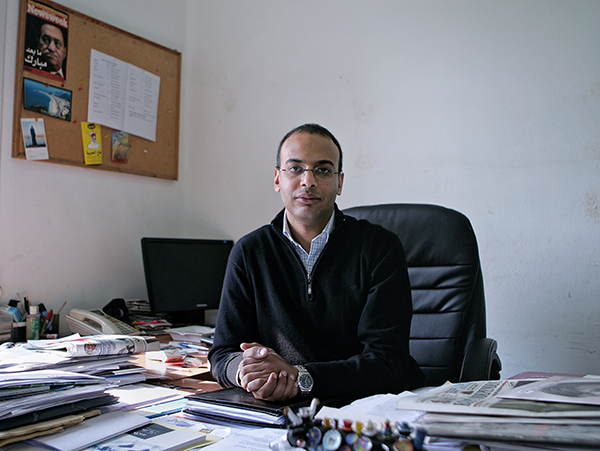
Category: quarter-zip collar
<point>317,244</point>
<point>336,221</point>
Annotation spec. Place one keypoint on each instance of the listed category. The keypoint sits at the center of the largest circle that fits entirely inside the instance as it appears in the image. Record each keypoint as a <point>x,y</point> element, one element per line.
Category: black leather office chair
<point>448,333</point>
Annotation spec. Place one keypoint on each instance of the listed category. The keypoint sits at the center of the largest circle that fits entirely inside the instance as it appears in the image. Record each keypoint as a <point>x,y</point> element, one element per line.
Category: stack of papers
<point>558,410</point>
<point>193,334</point>
<point>28,397</point>
<point>108,356</point>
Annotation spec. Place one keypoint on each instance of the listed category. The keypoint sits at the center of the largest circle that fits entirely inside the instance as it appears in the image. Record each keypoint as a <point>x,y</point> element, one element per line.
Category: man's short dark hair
<point>313,129</point>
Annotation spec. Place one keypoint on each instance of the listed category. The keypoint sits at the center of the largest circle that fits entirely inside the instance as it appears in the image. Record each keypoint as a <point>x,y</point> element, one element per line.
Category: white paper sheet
<point>122,96</point>
<point>93,430</point>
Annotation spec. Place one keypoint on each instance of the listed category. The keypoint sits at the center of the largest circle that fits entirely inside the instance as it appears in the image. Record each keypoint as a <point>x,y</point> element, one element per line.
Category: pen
<point>193,346</point>
<point>49,321</point>
<point>63,306</point>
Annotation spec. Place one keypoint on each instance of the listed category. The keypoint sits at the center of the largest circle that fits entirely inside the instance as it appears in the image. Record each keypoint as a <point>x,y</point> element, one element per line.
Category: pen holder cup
<point>18,332</point>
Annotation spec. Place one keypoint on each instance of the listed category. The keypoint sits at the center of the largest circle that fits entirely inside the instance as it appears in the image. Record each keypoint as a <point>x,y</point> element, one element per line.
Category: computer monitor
<point>184,277</point>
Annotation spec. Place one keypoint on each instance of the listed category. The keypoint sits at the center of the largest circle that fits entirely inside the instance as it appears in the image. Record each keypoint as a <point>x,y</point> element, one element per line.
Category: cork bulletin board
<point>66,91</point>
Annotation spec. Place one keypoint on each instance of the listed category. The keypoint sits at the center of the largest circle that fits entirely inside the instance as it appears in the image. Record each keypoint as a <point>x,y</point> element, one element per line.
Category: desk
<point>198,379</point>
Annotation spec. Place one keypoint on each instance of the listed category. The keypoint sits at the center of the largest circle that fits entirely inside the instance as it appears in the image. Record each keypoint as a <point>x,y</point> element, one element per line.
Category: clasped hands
<point>266,375</point>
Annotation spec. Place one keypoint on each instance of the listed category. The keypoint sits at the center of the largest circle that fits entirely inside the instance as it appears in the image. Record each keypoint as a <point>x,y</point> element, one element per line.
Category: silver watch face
<point>305,382</point>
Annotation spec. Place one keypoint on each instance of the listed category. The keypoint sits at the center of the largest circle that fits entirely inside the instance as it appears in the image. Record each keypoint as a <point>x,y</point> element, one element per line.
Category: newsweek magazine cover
<point>46,41</point>
<point>484,398</point>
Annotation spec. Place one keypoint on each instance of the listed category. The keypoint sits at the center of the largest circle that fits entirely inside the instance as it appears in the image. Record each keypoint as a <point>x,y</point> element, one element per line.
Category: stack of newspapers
<point>555,411</point>
<point>108,356</point>
<point>46,379</point>
<point>33,396</point>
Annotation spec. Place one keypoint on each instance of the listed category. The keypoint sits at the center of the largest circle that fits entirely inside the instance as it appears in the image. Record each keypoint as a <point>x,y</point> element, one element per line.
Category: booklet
<point>92,431</point>
<point>156,435</point>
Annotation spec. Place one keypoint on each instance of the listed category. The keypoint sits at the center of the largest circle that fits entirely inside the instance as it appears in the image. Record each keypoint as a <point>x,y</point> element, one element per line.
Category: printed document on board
<point>122,96</point>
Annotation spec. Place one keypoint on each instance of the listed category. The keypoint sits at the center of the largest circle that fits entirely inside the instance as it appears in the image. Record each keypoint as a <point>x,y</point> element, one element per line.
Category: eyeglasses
<point>322,173</point>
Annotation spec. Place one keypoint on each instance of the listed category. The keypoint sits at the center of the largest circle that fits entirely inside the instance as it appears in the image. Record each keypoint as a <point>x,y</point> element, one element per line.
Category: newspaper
<point>574,390</point>
<point>98,345</point>
<point>506,431</point>
<point>483,398</point>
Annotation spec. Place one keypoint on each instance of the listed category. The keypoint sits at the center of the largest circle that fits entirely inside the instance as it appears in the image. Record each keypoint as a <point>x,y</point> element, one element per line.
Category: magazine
<point>98,345</point>
<point>484,398</point>
<point>46,38</point>
<point>156,435</point>
<point>574,390</point>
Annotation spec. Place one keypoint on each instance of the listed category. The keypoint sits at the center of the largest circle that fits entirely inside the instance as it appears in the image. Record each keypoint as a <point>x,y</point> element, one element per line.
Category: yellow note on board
<point>92,143</point>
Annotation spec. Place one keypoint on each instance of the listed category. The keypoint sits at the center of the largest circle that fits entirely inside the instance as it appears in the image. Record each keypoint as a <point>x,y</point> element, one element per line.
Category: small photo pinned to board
<point>120,146</point>
<point>34,138</point>
<point>45,99</point>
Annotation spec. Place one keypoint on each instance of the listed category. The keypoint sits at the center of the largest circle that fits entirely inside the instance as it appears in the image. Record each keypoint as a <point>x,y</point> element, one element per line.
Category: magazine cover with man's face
<point>46,41</point>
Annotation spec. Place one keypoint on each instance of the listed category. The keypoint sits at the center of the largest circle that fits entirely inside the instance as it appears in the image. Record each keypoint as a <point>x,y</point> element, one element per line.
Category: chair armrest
<point>481,361</point>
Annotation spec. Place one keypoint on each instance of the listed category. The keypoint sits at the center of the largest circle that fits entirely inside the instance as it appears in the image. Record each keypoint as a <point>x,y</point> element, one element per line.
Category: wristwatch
<point>305,380</point>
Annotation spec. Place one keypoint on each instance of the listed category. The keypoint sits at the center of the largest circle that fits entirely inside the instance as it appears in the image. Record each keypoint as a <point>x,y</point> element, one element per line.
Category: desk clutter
<point>307,432</point>
<point>554,411</point>
<point>44,379</point>
<point>21,321</point>
<point>74,394</point>
<point>97,392</point>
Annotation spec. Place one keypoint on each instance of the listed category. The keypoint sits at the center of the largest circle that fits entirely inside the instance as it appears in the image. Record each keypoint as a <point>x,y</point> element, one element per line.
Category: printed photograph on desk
<point>34,138</point>
<point>46,38</point>
<point>45,99</point>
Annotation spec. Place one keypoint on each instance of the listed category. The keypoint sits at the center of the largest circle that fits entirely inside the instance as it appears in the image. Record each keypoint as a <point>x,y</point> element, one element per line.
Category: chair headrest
<point>430,234</point>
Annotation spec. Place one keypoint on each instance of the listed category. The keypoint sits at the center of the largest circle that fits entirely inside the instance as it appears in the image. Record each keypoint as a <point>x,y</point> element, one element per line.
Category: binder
<point>236,406</point>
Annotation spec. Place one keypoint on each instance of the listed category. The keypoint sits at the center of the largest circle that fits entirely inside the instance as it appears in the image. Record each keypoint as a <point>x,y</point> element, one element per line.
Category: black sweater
<point>351,332</point>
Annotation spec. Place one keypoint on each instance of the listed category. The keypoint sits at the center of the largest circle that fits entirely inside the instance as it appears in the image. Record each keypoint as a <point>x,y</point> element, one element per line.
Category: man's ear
<point>341,182</point>
<point>276,180</point>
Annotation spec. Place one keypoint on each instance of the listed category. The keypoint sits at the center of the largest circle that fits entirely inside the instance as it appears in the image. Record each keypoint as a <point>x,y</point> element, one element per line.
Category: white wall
<point>73,234</point>
<point>491,108</point>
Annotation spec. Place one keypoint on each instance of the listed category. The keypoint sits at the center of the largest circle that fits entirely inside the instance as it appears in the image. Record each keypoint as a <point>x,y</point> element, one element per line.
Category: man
<point>316,303</point>
<point>52,45</point>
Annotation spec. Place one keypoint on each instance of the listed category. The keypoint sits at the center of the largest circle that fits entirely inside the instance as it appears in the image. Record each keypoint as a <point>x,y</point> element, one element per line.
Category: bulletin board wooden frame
<point>64,138</point>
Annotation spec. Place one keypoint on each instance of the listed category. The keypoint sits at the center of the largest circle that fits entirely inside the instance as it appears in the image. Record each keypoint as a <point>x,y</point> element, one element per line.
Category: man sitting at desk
<point>316,303</point>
